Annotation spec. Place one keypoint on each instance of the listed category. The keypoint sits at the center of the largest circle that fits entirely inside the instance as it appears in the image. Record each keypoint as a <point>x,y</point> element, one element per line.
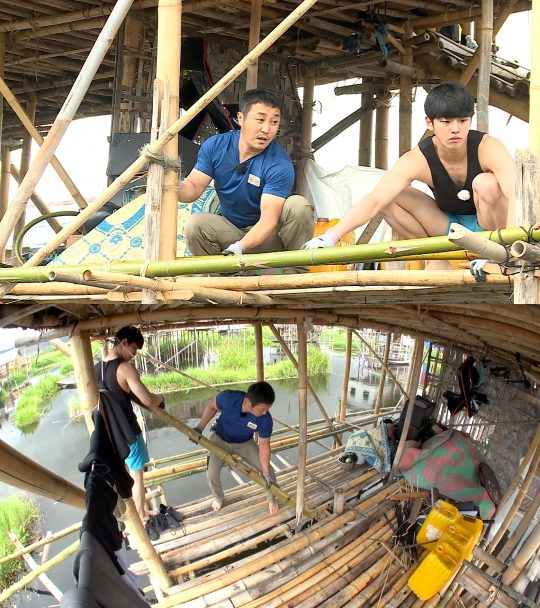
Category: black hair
<point>253,96</point>
<point>261,392</point>
<point>132,334</point>
<point>449,100</point>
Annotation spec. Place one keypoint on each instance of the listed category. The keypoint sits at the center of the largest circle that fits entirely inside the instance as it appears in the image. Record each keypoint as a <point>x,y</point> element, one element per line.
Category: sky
<point>84,149</point>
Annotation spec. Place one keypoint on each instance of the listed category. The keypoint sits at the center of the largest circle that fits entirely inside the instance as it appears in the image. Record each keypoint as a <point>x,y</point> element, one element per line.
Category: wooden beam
<point>365,147</point>
<point>305,150</point>
<point>254,38</point>
<point>83,367</point>
<point>484,71</point>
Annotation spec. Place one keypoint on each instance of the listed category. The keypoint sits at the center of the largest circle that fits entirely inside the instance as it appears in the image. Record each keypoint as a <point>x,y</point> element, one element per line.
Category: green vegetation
<point>16,378</point>
<point>235,366</point>
<point>34,401</point>
<point>47,360</point>
<point>66,368</point>
<point>20,514</point>
<point>74,406</point>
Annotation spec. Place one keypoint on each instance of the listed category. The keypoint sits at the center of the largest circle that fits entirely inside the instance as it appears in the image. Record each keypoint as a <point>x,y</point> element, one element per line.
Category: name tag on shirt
<point>254,180</point>
<point>252,425</point>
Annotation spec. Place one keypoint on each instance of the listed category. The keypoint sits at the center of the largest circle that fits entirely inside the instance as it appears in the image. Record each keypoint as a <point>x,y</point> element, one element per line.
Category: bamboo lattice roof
<point>48,42</point>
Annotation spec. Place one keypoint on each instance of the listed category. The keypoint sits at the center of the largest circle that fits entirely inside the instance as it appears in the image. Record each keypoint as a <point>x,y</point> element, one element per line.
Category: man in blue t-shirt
<point>242,415</point>
<point>253,177</point>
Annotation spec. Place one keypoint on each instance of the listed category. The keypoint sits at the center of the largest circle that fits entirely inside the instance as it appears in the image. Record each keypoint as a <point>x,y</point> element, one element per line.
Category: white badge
<point>254,180</point>
<point>252,425</point>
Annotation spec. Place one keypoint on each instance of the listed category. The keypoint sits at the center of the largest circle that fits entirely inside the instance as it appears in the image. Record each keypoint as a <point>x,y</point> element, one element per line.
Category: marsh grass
<point>20,514</point>
<point>35,401</point>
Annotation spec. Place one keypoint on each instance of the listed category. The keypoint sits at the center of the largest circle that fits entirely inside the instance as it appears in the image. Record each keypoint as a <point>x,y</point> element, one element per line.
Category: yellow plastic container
<point>439,519</point>
<point>434,572</point>
<point>321,226</point>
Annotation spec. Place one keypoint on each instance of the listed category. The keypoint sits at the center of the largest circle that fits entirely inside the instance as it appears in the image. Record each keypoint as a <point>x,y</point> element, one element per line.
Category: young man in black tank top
<point>124,381</point>
<point>470,174</point>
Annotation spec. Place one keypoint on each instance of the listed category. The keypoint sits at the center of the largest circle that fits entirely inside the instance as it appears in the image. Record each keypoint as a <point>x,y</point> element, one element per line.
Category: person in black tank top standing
<point>124,381</point>
<point>471,176</point>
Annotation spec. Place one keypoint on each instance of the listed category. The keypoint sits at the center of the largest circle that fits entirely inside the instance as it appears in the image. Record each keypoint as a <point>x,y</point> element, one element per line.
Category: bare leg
<point>139,495</point>
<point>491,204</point>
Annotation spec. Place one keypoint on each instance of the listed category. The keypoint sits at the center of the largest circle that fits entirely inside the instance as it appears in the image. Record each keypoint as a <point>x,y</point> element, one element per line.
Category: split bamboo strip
<point>41,543</point>
<point>46,581</point>
<point>29,126</point>
<point>28,578</point>
<point>288,352</point>
<point>381,361</point>
<point>64,118</point>
<point>228,459</point>
<point>138,165</point>
<point>18,470</point>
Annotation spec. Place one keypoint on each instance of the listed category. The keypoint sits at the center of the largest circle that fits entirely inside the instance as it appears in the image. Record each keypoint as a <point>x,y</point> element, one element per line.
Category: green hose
<point>18,241</point>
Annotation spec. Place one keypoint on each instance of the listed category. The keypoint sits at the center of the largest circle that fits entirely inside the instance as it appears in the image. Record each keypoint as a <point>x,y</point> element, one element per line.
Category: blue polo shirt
<point>235,426</point>
<point>270,172</point>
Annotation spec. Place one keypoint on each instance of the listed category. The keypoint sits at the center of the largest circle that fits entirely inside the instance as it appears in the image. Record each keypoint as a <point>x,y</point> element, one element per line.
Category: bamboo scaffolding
<point>484,69</point>
<point>472,241</point>
<point>345,384</point>
<point>254,38</point>
<point>302,423</point>
<point>305,150</point>
<point>259,354</point>
<point>65,116</point>
<point>138,165</point>
<point>5,178</point>
<point>32,564</point>
<point>382,379</point>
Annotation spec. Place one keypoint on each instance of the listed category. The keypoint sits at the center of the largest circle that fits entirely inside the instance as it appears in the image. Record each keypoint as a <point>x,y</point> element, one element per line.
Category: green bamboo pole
<point>232,461</point>
<point>369,252</point>
<point>28,578</point>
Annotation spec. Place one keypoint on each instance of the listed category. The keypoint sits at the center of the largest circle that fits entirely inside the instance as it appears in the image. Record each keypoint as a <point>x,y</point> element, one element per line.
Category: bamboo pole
<point>302,423</point>
<point>168,71</point>
<point>64,118</point>
<point>259,355</point>
<point>382,380</point>
<point>391,250</point>
<point>6,176</point>
<point>83,366</point>
<point>25,158</point>
<point>405,100</point>
<point>346,373</point>
<point>19,471</point>
<point>284,346</point>
<point>41,569</point>
<point>381,134</point>
<point>381,361</point>
<point>41,543</point>
<point>32,564</point>
<point>412,386</point>
<point>254,38</point>
<point>366,131</point>
<point>136,166</point>
<point>305,150</point>
<point>61,346</point>
<point>484,71</point>
<point>472,241</point>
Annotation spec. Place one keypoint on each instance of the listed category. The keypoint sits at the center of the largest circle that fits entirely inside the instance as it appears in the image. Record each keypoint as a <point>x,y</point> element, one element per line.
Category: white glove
<point>328,239</point>
<point>234,249</point>
<point>477,269</point>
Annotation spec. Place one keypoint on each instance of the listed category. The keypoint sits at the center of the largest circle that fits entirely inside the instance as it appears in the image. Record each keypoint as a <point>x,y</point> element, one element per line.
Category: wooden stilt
<point>168,71</point>
<point>295,363</point>
<point>25,158</point>
<point>5,178</point>
<point>63,120</point>
<point>305,151</point>
<point>386,355</point>
<point>254,37</point>
<point>405,101</point>
<point>366,132</point>
<point>484,70</point>
<point>345,383</point>
<point>259,353</point>
<point>62,347</point>
<point>302,423</point>
<point>83,366</point>
<point>381,136</point>
<point>19,471</point>
<point>412,386</point>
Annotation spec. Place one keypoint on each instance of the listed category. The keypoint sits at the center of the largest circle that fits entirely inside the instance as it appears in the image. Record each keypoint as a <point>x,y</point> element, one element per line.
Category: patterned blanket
<point>449,462</point>
<point>371,446</point>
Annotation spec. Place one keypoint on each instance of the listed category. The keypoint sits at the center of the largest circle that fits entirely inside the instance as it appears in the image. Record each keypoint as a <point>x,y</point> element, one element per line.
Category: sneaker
<point>151,529</point>
<point>172,518</point>
<point>348,458</point>
<point>161,523</point>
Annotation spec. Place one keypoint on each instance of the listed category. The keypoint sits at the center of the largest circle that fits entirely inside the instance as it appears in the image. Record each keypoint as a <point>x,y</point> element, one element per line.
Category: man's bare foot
<point>273,507</point>
<point>217,504</point>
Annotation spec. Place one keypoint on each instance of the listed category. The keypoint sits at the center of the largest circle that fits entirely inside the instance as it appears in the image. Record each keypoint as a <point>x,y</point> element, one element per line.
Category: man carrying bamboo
<point>242,414</point>
<point>253,177</point>
<point>470,174</point>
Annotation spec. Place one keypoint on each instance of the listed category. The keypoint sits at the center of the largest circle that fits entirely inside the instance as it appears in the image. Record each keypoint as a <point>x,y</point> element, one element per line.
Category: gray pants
<point>248,450</point>
<point>210,234</point>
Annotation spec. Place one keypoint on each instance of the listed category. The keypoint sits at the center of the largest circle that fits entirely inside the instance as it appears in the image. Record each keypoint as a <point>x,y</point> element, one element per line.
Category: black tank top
<point>122,398</point>
<point>444,189</point>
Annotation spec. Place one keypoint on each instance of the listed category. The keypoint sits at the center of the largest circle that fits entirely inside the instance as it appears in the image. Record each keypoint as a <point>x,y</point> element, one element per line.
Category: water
<point>60,445</point>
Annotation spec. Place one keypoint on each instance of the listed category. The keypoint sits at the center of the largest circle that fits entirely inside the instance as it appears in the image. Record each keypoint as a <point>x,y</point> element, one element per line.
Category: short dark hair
<point>264,96</point>
<point>132,334</point>
<point>261,392</point>
<point>449,100</point>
